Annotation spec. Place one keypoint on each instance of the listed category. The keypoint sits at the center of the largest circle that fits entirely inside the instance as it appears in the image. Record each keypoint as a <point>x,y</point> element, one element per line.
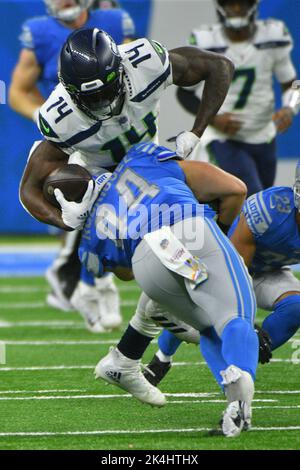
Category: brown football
<point>71,179</point>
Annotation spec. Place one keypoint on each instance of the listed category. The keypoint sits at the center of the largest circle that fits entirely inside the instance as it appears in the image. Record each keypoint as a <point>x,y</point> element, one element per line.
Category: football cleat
<point>156,370</point>
<point>57,298</point>
<point>265,345</point>
<point>108,302</point>
<point>85,300</point>
<point>232,422</point>
<point>117,369</point>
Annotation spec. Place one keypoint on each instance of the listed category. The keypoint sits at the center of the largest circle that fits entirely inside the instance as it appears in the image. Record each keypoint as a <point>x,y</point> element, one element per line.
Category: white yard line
<point>35,248</point>
<point>61,342</point>
<point>23,289</point>
<point>74,367</point>
<point>35,305</point>
<point>207,397</point>
<point>50,323</point>
<point>13,392</point>
<point>101,397</point>
<point>138,431</point>
<point>279,407</point>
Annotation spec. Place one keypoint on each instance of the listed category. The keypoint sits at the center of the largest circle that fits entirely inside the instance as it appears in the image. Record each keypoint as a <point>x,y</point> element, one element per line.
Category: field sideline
<point>50,400</point>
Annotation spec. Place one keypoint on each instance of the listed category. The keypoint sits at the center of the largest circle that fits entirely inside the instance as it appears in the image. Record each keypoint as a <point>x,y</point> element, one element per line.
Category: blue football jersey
<point>271,217</point>
<point>146,191</point>
<point>45,36</point>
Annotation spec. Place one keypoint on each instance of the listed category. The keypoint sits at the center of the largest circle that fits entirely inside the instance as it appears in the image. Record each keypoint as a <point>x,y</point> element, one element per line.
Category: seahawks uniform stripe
<point>81,136</point>
<point>272,44</point>
<point>232,273</point>
<point>218,50</point>
<point>152,87</point>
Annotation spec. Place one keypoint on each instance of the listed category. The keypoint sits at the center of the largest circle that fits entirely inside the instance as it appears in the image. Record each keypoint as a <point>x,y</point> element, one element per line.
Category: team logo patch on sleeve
<point>45,128</point>
<point>160,51</point>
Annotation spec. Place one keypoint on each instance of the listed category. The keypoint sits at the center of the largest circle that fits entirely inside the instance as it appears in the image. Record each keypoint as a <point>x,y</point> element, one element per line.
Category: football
<point>71,179</point>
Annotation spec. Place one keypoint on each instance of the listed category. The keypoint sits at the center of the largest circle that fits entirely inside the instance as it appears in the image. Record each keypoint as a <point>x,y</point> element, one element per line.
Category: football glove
<point>185,143</point>
<point>265,344</point>
<point>74,214</point>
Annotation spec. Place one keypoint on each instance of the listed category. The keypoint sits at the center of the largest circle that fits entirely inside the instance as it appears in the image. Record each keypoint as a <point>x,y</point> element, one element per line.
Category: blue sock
<point>211,349</point>
<point>240,345</point>
<point>87,277</point>
<point>168,343</point>
<point>283,323</point>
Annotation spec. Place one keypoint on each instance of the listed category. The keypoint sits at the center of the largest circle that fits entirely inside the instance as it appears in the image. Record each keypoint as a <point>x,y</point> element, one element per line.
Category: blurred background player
<point>241,138</point>
<point>33,80</point>
<point>105,4</point>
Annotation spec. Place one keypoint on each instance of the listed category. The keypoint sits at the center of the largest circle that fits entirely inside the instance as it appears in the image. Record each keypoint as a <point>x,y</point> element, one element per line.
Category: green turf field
<point>49,398</point>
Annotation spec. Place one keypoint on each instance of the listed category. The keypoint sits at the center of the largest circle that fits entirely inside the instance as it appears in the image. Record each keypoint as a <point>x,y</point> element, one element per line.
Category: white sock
<point>162,357</point>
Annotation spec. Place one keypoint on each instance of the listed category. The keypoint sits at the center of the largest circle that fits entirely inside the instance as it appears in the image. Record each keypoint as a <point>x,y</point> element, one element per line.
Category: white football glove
<point>185,143</point>
<point>74,214</point>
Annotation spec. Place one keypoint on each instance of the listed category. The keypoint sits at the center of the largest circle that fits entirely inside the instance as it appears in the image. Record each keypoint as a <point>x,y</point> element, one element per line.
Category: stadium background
<point>151,18</point>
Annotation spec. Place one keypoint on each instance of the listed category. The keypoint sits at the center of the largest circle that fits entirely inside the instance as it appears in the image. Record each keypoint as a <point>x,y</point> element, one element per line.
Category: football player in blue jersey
<point>267,236</point>
<point>42,39</point>
<point>147,223</point>
<point>34,78</point>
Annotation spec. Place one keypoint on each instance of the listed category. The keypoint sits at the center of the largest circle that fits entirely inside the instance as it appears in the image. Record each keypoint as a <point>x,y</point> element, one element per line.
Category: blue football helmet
<point>67,10</point>
<point>91,70</point>
<point>237,22</point>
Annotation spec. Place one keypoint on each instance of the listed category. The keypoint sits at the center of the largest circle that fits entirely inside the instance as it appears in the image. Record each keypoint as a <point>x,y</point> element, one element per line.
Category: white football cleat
<point>57,298</point>
<point>85,300</point>
<point>232,421</point>
<point>109,302</point>
<point>117,369</point>
<point>239,391</point>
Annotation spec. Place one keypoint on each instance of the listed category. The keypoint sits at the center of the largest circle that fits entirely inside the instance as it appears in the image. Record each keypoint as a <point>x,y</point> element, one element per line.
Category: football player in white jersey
<point>107,100</point>
<point>42,39</point>
<point>241,137</point>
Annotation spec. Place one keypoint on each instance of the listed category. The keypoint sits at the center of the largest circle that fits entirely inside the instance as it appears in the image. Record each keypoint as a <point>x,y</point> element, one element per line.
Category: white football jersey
<point>251,94</point>
<point>104,143</point>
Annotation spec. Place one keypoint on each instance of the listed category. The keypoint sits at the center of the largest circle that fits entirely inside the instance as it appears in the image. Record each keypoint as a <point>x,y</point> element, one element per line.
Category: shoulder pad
<point>61,123</point>
<point>208,38</point>
<point>32,29</point>
<point>273,33</point>
<point>268,209</point>
<point>147,67</point>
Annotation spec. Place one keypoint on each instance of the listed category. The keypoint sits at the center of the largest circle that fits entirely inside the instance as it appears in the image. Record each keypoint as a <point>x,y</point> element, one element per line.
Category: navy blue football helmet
<point>91,70</point>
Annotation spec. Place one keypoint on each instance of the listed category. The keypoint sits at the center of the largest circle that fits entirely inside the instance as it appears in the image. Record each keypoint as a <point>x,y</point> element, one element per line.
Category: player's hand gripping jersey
<point>45,36</point>
<point>251,95</point>
<point>147,72</point>
<point>271,217</point>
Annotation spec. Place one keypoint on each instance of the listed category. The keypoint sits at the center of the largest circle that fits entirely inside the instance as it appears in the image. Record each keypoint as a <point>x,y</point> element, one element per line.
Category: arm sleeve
<point>259,214</point>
